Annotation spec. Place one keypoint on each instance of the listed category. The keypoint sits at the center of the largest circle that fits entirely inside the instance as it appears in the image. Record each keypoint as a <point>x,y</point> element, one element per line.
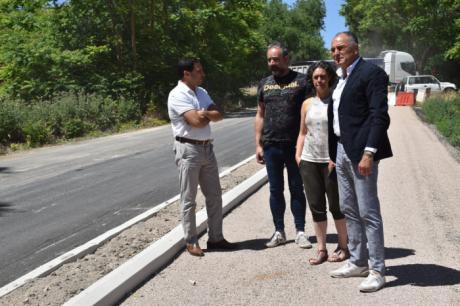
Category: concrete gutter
<point>114,286</point>
<point>93,244</point>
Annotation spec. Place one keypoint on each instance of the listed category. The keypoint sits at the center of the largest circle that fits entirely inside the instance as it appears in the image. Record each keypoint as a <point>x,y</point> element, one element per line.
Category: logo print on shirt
<point>294,84</point>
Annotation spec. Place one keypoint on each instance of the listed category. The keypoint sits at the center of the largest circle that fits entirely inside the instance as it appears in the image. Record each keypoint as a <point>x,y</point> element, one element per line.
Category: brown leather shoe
<point>194,249</point>
<point>221,245</point>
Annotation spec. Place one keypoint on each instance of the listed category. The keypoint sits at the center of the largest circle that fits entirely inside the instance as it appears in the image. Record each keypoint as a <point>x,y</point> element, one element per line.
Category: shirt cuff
<point>373,150</point>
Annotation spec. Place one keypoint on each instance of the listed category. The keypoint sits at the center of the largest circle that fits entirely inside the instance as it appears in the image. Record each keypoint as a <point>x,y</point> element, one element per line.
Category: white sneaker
<point>373,282</point>
<point>277,239</point>
<point>302,241</point>
<point>350,270</point>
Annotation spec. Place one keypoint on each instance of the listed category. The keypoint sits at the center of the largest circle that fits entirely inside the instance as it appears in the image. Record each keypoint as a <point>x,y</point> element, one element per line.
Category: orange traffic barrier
<point>405,98</point>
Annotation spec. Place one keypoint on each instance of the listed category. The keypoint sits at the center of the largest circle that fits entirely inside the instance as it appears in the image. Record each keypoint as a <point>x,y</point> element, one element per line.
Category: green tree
<point>454,51</point>
<point>124,47</point>
<point>424,28</point>
<point>26,48</point>
<point>298,27</point>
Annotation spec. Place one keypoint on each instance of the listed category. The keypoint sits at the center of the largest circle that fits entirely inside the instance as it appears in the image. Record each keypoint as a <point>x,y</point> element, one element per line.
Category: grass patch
<point>444,112</point>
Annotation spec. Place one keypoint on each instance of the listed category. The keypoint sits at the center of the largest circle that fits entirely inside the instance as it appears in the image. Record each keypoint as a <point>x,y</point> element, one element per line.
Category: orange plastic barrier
<point>405,98</point>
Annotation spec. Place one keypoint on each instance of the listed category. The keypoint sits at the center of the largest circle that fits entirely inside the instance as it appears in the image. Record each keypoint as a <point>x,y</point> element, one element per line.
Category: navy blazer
<point>363,114</point>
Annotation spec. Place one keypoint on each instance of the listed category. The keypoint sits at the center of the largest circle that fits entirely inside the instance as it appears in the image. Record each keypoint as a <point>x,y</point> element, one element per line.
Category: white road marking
<point>55,243</point>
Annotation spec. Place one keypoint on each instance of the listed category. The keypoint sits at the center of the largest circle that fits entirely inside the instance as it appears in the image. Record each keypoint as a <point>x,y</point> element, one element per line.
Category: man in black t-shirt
<point>280,98</point>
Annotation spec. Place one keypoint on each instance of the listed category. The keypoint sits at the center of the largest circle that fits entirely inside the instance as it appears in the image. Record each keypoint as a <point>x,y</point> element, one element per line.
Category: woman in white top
<point>312,156</point>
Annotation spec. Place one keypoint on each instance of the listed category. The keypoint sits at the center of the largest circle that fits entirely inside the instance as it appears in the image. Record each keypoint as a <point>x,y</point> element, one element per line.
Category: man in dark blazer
<point>358,140</point>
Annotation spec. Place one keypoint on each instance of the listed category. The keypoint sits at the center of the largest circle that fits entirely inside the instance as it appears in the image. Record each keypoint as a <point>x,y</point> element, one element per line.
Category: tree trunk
<point>116,35</point>
<point>133,33</point>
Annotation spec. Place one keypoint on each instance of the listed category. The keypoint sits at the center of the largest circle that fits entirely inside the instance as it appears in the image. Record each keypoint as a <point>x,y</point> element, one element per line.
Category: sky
<point>333,22</point>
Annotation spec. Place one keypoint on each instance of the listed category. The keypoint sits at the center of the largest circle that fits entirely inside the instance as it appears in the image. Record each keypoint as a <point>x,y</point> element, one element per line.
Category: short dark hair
<point>351,36</point>
<point>327,67</point>
<point>186,65</point>
<point>277,44</point>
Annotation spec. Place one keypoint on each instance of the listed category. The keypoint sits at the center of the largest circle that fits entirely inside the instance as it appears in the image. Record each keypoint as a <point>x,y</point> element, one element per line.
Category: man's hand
<point>260,154</point>
<point>259,126</point>
<point>365,165</point>
<point>298,159</point>
<point>203,115</point>
<point>213,113</point>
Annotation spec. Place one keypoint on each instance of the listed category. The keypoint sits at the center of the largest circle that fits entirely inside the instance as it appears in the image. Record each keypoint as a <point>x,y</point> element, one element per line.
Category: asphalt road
<point>54,199</point>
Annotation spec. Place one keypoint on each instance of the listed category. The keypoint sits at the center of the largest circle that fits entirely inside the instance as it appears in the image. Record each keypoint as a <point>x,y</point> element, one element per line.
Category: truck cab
<point>398,65</point>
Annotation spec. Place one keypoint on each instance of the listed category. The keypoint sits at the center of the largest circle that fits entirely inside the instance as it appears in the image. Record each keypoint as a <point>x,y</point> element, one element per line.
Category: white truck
<point>397,65</point>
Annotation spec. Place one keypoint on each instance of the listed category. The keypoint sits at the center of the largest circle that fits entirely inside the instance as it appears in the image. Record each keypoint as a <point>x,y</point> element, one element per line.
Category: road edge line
<point>117,284</point>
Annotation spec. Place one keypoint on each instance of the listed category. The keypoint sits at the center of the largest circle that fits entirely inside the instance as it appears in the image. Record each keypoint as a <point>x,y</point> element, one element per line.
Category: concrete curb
<point>114,286</point>
<point>93,244</point>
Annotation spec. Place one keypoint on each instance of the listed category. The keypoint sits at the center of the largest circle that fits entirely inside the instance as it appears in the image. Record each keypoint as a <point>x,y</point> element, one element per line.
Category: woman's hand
<point>331,166</point>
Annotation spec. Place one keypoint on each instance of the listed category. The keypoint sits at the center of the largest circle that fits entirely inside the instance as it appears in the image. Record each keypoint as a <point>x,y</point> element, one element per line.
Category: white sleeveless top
<point>315,148</point>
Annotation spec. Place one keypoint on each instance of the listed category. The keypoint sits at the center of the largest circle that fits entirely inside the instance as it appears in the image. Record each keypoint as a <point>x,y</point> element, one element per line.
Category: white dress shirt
<point>336,98</point>
<point>182,99</point>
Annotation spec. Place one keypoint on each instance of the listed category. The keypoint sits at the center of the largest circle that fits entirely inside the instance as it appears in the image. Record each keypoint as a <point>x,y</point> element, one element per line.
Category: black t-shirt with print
<point>282,98</point>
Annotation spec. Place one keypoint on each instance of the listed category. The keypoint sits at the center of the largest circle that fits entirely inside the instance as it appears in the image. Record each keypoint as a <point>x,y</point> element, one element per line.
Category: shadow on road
<point>5,170</point>
<point>393,253</point>
<point>5,208</point>
<point>423,275</point>
<point>253,244</point>
<point>330,238</point>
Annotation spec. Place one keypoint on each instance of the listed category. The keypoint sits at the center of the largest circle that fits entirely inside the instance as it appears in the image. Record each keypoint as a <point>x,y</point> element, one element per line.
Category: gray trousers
<point>197,164</point>
<point>360,205</point>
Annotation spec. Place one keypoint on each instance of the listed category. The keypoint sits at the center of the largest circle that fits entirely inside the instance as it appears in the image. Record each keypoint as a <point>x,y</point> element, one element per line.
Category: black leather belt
<point>338,139</point>
<point>193,141</point>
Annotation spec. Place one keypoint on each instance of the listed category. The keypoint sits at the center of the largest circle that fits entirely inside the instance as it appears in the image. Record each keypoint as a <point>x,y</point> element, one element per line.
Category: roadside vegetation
<point>25,126</point>
<point>77,68</point>
<point>444,112</point>
<point>81,68</point>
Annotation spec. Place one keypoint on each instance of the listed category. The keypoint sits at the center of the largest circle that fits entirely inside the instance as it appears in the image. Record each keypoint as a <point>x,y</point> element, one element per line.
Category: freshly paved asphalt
<point>54,199</point>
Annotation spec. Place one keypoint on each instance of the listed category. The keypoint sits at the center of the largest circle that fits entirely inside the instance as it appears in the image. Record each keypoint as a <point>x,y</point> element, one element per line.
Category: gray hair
<point>351,36</point>
<point>277,44</point>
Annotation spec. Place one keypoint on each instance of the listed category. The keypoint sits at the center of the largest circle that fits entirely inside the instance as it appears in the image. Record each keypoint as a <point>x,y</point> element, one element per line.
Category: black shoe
<point>221,245</point>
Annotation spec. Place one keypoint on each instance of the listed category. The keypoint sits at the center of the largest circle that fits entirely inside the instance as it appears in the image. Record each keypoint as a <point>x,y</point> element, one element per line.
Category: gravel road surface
<point>420,195</point>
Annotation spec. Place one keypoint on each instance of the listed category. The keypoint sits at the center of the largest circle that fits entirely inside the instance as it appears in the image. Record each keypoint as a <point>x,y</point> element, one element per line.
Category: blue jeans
<point>360,205</point>
<point>276,157</point>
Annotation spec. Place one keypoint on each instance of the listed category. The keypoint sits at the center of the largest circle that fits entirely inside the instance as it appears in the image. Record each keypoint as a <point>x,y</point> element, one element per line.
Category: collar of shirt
<point>184,87</point>
<point>349,68</point>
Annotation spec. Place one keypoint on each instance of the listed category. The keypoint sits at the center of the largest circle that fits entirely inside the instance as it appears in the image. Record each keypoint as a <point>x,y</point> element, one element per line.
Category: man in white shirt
<point>191,109</point>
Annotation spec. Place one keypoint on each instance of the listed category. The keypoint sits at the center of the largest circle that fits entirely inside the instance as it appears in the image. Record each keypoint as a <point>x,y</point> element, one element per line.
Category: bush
<point>128,110</point>
<point>10,122</point>
<point>36,133</point>
<point>67,117</point>
<point>444,112</point>
<point>75,128</point>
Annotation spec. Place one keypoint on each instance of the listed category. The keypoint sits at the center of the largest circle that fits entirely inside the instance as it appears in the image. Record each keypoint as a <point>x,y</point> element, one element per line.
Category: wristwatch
<point>369,153</point>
